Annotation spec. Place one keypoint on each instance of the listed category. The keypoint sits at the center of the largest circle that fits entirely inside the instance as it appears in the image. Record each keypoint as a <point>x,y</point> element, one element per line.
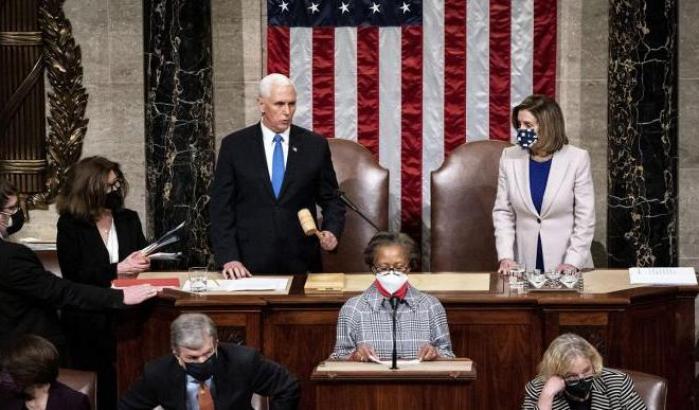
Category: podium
<point>439,384</point>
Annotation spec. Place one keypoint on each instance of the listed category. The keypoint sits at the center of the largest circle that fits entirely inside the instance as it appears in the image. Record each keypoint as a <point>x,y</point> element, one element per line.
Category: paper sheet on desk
<point>237,285</point>
<point>399,363</point>
<point>662,276</point>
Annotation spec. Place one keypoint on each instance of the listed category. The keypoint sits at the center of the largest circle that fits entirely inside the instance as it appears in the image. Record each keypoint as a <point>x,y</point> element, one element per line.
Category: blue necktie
<point>277,165</point>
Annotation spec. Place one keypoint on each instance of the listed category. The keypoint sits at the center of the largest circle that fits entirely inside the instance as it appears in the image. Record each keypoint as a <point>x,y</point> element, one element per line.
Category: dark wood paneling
<point>646,329</point>
<point>392,396</point>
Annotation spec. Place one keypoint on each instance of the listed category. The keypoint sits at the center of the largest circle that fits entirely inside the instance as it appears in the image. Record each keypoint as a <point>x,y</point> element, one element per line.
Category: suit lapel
<point>94,231</point>
<point>178,381</point>
<point>559,168</point>
<point>521,169</point>
<point>260,160</point>
<point>293,158</point>
<point>122,233</point>
<point>600,399</point>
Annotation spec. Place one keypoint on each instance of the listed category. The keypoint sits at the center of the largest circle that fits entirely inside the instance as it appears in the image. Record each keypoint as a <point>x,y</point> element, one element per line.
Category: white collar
<point>268,134</point>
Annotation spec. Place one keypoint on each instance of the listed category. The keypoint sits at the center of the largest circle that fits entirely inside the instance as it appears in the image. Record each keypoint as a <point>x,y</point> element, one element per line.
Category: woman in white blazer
<point>544,213</point>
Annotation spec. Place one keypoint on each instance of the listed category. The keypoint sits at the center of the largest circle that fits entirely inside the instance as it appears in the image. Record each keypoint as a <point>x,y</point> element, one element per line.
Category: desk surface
<point>601,287</point>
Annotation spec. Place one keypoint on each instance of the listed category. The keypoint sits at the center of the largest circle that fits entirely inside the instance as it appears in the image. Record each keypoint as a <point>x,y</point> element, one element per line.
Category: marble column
<point>179,120</point>
<point>642,91</point>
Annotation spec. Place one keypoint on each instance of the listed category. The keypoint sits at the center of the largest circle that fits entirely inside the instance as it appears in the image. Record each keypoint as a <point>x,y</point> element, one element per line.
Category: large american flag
<point>412,79</point>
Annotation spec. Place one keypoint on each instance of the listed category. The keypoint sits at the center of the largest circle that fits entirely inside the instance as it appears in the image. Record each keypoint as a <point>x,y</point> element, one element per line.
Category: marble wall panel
<point>642,201</point>
<point>179,121</point>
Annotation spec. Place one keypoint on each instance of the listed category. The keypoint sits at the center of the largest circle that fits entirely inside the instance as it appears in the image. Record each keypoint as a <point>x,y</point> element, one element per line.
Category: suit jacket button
<point>538,220</point>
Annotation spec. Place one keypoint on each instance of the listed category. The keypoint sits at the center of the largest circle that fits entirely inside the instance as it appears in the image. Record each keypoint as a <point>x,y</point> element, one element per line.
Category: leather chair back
<point>83,381</point>
<point>652,389</point>
<point>463,194</point>
<point>365,183</point>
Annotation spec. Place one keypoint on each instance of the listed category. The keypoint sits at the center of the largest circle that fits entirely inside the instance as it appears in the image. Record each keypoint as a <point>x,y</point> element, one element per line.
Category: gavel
<point>308,224</point>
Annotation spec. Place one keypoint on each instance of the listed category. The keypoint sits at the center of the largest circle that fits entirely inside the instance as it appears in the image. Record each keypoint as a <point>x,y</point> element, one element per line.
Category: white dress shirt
<point>113,244</point>
<point>268,142</point>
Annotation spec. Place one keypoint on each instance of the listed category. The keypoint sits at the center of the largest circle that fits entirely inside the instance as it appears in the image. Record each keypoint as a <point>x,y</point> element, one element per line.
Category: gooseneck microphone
<point>394,356</point>
<point>353,207</point>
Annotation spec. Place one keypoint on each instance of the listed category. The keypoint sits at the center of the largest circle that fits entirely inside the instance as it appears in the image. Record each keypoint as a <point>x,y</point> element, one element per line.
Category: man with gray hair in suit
<point>209,375</point>
<point>265,174</point>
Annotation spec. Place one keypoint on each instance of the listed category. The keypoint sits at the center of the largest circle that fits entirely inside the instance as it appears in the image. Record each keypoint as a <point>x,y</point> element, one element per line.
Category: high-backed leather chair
<point>652,389</point>
<point>463,193</point>
<point>365,183</point>
<point>83,381</point>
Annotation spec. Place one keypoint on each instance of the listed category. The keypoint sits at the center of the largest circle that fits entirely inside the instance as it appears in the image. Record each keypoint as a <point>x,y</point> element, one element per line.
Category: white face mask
<point>391,280</point>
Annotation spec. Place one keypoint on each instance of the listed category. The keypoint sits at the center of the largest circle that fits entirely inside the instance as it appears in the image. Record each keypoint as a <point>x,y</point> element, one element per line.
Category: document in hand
<point>170,237</point>
<point>662,276</point>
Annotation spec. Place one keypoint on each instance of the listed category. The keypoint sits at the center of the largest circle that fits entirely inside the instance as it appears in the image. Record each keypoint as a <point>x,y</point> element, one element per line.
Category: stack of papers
<point>662,276</point>
<point>168,238</point>
<point>324,282</point>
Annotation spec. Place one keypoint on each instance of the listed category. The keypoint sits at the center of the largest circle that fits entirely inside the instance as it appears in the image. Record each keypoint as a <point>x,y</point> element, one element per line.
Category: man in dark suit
<point>29,295</point>
<point>201,373</point>
<point>265,174</point>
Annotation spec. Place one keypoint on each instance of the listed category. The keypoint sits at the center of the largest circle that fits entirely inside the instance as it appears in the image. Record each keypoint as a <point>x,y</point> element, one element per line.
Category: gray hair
<point>381,239</point>
<point>190,329</point>
<point>271,80</point>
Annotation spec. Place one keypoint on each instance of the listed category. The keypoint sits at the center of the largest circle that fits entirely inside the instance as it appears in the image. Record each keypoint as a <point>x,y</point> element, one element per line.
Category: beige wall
<point>688,135</point>
<point>582,93</point>
<point>110,35</point>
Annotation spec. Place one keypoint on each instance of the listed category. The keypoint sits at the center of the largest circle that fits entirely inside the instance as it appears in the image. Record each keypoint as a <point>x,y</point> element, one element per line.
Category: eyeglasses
<point>387,270</point>
<point>573,380</point>
<point>114,186</point>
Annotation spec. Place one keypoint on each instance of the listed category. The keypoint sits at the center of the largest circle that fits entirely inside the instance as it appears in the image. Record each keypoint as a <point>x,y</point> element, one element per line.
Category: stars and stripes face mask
<point>526,138</point>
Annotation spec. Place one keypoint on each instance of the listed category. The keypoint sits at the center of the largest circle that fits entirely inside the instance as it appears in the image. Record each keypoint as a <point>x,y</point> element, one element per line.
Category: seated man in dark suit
<point>29,295</point>
<point>208,375</point>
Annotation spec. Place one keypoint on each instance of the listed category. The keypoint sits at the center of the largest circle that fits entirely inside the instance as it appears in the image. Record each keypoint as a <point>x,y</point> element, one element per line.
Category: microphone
<point>394,356</point>
<point>345,200</point>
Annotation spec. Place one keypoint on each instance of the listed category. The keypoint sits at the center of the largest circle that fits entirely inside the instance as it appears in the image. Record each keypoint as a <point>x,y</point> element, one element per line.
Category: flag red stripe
<point>368,88</point>
<point>324,81</point>
<point>411,131</point>
<point>454,74</point>
<point>500,67</point>
<point>278,49</point>
<point>544,76</point>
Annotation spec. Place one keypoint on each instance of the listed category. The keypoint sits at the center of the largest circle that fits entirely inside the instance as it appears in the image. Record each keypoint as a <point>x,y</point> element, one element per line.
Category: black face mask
<point>114,200</point>
<point>17,222</point>
<point>580,389</point>
<point>201,371</point>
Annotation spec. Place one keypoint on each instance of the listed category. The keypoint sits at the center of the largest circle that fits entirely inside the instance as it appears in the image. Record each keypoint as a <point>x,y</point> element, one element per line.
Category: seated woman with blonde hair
<point>571,376</point>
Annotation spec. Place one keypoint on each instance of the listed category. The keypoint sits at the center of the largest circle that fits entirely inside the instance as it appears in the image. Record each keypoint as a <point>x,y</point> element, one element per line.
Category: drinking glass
<point>517,276</point>
<point>570,277</point>
<point>198,277</point>
<point>536,278</point>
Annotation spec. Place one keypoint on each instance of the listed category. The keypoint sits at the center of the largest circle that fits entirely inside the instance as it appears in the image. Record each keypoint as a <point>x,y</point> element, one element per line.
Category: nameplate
<point>662,276</point>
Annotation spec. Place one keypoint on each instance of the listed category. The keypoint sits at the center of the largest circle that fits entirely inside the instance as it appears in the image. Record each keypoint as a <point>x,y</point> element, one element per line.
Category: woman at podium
<point>571,376</point>
<point>365,326</point>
